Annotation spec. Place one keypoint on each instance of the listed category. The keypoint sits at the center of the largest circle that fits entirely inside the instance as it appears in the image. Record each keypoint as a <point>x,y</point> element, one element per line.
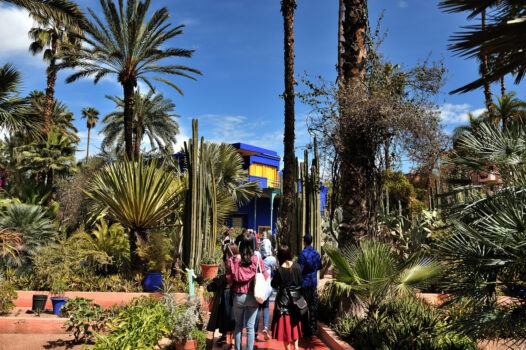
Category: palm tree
<point>130,47</point>
<point>52,37</point>
<point>357,154</point>
<point>11,105</point>
<point>137,195</point>
<point>64,11</point>
<point>232,186</point>
<point>289,158</point>
<point>355,24</point>
<point>153,118</point>
<point>369,273</point>
<point>92,117</point>
<point>509,107</point>
<point>61,118</point>
<point>44,159</point>
<point>504,36</point>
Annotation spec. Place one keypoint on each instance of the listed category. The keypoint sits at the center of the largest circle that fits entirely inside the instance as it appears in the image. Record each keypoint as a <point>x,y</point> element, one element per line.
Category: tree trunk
<point>355,22</point>
<point>137,142</point>
<point>135,259</point>
<point>87,148</point>
<point>289,158</point>
<point>341,39</point>
<point>358,183</point>
<point>50,95</point>
<point>129,102</point>
<point>485,70</point>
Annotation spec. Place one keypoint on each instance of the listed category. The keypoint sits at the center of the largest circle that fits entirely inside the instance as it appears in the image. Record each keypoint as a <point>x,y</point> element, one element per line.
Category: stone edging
<point>331,339</point>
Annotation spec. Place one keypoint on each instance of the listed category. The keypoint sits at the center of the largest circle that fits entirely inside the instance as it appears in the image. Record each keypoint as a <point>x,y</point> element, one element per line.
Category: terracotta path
<point>310,343</point>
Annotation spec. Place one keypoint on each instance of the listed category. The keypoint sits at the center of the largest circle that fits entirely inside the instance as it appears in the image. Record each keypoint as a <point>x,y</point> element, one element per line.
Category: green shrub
<point>7,295</point>
<point>139,325</point>
<point>85,318</point>
<point>401,324</point>
<point>200,336</point>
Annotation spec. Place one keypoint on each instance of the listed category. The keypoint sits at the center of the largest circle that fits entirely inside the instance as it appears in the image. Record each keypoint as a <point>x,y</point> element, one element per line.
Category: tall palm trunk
<point>502,83</point>
<point>50,88</point>
<point>289,158</point>
<point>341,39</point>
<point>129,102</point>
<point>357,154</point>
<point>485,70</point>
<point>87,148</point>
<point>355,23</point>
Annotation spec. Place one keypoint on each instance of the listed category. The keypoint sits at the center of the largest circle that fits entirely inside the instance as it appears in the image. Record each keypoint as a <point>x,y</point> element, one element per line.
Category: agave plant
<point>137,195</point>
<point>368,273</point>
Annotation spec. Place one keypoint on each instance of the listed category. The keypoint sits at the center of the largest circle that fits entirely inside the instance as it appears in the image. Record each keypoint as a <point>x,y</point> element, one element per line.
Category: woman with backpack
<point>286,321</point>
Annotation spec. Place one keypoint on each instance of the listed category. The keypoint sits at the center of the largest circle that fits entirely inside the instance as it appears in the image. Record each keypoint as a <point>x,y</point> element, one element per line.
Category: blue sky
<point>239,48</point>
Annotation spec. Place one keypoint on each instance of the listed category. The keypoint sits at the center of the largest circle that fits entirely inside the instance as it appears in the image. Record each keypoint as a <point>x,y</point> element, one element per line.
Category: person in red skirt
<point>286,324</point>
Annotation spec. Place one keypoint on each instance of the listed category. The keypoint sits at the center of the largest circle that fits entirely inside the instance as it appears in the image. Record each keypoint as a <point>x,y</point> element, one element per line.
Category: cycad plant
<point>32,225</point>
<point>138,195</point>
<point>370,272</point>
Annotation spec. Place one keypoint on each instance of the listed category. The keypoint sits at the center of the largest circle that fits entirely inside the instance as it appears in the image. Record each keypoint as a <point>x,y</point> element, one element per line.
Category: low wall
<point>105,299</point>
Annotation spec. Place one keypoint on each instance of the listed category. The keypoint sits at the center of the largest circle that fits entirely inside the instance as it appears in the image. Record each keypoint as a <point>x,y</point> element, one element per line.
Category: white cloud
<point>458,114</point>
<point>403,4</point>
<point>14,39</point>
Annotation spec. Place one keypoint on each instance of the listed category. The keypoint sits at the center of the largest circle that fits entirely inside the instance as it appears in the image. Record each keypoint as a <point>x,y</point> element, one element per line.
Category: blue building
<point>261,213</point>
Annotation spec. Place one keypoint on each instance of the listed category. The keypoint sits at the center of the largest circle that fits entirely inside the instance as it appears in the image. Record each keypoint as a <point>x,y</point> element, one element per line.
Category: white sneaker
<point>265,334</point>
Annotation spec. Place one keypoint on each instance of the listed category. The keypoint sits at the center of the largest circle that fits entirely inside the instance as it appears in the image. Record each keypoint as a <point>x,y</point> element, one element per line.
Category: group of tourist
<point>237,307</point>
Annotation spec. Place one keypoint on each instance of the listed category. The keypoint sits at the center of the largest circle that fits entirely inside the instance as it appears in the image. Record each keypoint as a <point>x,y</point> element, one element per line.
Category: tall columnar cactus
<point>200,228</point>
<point>307,216</point>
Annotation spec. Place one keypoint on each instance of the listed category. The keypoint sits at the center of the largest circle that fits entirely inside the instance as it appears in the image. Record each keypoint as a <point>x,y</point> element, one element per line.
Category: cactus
<point>306,216</point>
<point>200,228</point>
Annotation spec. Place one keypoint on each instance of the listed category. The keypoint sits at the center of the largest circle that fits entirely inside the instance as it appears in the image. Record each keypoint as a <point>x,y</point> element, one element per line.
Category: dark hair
<point>230,250</point>
<point>307,239</point>
<point>284,253</point>
<point>246,249</point>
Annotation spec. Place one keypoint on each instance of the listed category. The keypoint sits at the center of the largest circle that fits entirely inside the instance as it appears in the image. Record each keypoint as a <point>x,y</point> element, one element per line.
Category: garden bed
<point>23,321</point>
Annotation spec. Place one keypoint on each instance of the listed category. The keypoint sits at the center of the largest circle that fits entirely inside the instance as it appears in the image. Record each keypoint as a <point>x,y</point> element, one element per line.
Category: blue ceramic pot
<point>152,282</point>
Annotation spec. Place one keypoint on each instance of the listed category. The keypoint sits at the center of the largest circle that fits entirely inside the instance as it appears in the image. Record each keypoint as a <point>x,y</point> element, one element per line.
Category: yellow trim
<point>262,170</point>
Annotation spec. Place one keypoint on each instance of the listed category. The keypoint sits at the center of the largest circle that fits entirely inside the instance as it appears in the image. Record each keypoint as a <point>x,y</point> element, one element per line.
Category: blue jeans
<point>245,309</point>
<point>265,308</point>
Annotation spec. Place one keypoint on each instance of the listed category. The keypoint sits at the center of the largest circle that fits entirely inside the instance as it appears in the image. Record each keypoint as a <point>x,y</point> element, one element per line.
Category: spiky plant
<point>139,195</point>
<point>370,272</point>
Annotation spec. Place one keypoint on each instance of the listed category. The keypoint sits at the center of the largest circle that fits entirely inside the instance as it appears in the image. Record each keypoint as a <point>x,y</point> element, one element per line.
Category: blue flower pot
<point>57,303</point>
<point>152,282</point>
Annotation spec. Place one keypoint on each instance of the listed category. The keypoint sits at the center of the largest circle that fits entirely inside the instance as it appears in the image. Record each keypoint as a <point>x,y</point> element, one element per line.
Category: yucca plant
<point>139,195</point>
<point>370,272</point>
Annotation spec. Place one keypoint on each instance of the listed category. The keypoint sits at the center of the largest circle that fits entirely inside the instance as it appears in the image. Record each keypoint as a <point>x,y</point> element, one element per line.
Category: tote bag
<point>260,285</point>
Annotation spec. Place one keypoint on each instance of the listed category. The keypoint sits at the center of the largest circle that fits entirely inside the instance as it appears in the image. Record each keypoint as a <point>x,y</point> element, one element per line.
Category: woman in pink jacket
<point>241,272</point>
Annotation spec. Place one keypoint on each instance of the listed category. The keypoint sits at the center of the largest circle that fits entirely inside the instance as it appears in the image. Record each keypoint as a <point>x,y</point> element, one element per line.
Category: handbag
<point>260,285</point>
<point>299,302</point>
